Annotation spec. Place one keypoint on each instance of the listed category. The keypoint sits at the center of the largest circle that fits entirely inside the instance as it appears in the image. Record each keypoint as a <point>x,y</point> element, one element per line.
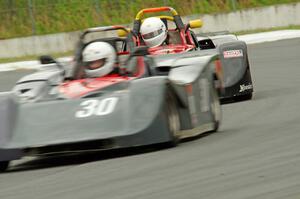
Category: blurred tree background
<point>35,17</point>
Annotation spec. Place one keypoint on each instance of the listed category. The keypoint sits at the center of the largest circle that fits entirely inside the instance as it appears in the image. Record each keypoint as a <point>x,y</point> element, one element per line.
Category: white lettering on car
<point>244,87</point>
<point>96,107</point>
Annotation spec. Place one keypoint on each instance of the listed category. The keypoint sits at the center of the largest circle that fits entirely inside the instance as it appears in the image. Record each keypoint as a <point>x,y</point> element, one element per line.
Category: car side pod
<point>236,70</point>
<point>7,116</point>
<point>193,81</point>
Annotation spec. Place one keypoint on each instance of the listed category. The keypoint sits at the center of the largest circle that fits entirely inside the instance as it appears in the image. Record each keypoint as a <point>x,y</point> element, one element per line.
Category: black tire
<point>3,165</point>
<point>248,96</point>
<point>216,110</point>
<point>173,120</point>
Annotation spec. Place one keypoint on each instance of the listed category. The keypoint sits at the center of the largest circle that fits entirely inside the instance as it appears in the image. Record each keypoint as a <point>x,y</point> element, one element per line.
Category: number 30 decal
<point>97,107</point>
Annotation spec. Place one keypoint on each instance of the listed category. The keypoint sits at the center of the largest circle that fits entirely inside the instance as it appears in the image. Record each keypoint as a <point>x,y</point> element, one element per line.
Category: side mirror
<point>47,59</point>
<point>195,23</point>
<point>122,33</point>
<point>140,51</point>
<point>137,51</point>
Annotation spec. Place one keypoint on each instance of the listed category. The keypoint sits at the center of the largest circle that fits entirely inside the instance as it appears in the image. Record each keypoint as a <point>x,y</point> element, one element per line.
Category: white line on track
<point>269,36</point>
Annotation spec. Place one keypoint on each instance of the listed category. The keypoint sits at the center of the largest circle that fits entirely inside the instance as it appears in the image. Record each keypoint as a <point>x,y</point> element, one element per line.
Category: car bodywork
<point>232,73</point>
<point>233,54</point>
<point>52,112</point>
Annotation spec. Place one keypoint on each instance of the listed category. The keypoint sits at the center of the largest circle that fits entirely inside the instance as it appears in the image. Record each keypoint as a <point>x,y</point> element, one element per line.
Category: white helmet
<point>153,31</point>
<point>99,59</point>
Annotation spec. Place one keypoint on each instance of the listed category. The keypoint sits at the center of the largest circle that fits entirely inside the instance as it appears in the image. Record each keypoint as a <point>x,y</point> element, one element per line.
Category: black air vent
<point>206,44</point>
<point>163,70</point>
<point>24,90</point>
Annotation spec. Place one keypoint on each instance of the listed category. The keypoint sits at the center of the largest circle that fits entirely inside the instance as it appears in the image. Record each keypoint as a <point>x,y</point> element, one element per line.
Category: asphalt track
<point>256,153</point>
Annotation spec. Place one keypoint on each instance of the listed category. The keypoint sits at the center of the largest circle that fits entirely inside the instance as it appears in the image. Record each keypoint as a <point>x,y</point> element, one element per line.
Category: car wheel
<point>216,110</point>
<point>3,165</point>
<point>173,120</point>
<point>248,96</point>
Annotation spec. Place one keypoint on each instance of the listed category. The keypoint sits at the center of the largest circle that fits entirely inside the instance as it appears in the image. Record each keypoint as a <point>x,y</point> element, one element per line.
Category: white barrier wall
<point>266,17</point>
<point>251,19</point>
<point>37,45</point>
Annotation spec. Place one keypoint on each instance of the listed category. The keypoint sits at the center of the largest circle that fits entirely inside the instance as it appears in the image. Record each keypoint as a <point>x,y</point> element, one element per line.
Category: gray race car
<point>51,112</point>
<point>232,71</point>
<point>237,81</point>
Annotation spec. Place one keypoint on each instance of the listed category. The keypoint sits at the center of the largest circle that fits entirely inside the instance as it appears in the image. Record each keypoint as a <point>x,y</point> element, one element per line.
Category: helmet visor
<point>92,65</point>
<point>153,34</point>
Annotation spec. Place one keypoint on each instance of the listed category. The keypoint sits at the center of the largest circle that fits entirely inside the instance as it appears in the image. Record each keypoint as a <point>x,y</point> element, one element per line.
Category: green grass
<point>51,16</point>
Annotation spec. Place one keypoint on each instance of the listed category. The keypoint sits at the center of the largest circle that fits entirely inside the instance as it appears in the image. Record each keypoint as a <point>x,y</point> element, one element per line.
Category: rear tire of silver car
<point>216,110</point>
<point>173,120</point>
<point>3,165</point>
<point>248,96</point>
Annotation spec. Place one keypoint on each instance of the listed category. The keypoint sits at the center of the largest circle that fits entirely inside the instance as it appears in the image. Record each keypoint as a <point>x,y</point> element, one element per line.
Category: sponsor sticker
<point>232,53</point>
<point>244,87</point>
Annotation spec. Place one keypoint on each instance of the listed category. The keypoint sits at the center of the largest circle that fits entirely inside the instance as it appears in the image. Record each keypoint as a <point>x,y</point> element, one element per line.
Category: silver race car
<point>58,111</point>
